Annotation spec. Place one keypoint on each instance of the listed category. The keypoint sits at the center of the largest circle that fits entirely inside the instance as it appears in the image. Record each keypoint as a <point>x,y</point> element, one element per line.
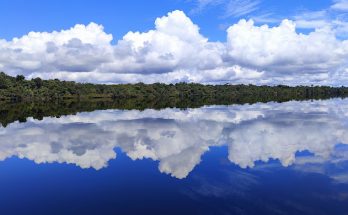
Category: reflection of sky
<point>179,138</point>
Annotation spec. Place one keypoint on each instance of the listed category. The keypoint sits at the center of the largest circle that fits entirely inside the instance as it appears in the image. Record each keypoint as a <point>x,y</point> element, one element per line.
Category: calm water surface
<point>288,158</point>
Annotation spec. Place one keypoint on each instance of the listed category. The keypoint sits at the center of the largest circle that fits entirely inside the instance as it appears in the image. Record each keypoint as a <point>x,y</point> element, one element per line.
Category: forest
<point>18,89</point>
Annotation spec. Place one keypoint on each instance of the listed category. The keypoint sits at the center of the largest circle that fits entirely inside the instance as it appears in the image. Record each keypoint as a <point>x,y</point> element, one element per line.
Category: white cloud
<point>341,5</point>
<point>333,17</point>
<point>312,19</point>
<point>238,8</point>
<point>200,5</point>
<point>231,8</point>
<point>176,51</point>
<point>174,44</point>
<point>281,49</point>
<point>79,49</point>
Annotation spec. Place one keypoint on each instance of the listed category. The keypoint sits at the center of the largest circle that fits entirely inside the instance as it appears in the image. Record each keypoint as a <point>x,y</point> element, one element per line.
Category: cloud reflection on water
<point>178,138</point>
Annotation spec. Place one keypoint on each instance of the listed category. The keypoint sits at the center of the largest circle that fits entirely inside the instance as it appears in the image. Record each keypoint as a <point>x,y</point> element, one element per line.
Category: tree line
<point>17,89</point>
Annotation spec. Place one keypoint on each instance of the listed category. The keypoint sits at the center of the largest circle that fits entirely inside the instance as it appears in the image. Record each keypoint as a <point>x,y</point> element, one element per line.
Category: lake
<point>264,158</point>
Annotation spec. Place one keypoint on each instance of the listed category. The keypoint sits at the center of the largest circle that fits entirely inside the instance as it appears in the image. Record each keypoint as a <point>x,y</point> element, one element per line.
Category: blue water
<point>288,158</point>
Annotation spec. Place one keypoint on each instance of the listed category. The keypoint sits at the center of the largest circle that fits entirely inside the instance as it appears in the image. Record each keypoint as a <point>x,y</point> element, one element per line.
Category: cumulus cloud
<point>174,44</point>
<point>176,51</point>
<point>177,139</point>
<point>79,49</point>
<point>281,51</point>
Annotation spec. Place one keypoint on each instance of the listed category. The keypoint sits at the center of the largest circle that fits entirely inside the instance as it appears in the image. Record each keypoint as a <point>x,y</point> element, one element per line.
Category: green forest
<point>18,89</point>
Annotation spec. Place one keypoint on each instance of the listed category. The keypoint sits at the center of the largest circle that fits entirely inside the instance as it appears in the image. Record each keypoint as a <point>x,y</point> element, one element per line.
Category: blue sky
<point>18,17</point>
<point>207,41</point>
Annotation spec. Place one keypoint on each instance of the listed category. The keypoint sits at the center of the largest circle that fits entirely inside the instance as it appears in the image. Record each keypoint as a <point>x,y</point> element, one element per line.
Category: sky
<point>292,42</point>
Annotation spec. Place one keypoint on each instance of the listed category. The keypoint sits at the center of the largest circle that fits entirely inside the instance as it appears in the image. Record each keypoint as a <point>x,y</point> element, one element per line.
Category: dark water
<point>288,158</point>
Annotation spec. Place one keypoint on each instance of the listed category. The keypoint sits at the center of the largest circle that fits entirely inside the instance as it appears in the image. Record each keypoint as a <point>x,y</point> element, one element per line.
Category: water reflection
<point>178,138</point>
